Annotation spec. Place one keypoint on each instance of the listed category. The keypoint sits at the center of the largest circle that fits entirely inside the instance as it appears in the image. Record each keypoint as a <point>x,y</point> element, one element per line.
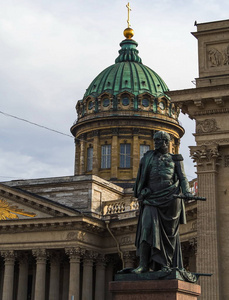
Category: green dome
<point>127,74</point>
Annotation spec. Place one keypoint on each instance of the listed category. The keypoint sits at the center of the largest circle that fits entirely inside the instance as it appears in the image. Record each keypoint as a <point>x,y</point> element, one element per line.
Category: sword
<point>182,196</point>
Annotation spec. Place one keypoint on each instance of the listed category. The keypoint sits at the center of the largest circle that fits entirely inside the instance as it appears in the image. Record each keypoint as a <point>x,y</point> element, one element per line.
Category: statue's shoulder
<point>147,155</point>
<point>177,157</point>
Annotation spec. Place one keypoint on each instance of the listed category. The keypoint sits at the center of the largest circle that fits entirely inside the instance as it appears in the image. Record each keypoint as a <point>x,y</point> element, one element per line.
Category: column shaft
<point>54,287</point>
<point>40,274</point>
<point>74,276</point>
<point>8,281</point>
<point>87,279</point>
<point>23,279</point>
<point>100,281</point>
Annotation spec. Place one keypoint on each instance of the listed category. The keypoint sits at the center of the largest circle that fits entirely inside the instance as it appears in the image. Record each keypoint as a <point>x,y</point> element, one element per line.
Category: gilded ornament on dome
<point>8,211</point>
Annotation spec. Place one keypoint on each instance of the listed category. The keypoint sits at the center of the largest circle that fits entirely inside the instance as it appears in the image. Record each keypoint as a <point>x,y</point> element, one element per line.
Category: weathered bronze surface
<point>160,177</point>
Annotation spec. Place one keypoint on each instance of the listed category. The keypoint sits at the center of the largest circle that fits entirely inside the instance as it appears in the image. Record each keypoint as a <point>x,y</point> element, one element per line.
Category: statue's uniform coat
<point>161,213</point>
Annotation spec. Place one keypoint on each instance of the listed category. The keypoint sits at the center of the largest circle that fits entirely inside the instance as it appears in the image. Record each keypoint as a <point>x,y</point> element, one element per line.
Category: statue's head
<point>161,141</point>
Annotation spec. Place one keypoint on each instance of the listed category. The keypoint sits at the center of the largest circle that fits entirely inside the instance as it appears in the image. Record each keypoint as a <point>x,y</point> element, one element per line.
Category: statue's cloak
<point>161,213</point>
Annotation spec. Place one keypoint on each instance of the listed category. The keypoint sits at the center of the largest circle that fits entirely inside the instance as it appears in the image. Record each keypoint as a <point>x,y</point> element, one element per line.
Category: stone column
<point>96,160</point>
<point>109,277</point>
<point>23,276</point>
<point>88,275</point>
<point>74,277</point>
<point>40,256</point>
<point>65,283</point>
<point>114,154</point>
<point>8,281</point>
<point>54,285</point>
<point>82,155</point>
<point>100,278</point>
<point>136,156</point>
<point>207,215</point>
<point>129,258</point>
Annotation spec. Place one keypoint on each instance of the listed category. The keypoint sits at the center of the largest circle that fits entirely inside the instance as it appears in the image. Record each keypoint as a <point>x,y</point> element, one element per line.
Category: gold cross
<point>128,19</point>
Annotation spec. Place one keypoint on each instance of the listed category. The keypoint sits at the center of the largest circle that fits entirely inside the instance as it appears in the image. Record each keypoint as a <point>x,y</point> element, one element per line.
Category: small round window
<point>125,101</point>
<point>145,102</point>
<point>106,102</point>
<point>90,105</point>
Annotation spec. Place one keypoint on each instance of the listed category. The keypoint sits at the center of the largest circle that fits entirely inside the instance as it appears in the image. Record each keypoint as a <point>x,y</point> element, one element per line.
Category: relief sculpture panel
<point>218,55</point>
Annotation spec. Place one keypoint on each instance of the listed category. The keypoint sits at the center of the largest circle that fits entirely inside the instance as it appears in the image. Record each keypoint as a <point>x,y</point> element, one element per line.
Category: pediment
<point>19,204</point>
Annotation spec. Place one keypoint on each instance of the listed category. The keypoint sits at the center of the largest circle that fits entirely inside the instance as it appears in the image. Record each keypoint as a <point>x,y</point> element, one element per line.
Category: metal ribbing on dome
<point>128,73</point>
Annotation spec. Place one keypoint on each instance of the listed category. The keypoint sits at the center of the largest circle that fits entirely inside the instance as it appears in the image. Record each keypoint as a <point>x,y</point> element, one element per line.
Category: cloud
<point>52,50</point>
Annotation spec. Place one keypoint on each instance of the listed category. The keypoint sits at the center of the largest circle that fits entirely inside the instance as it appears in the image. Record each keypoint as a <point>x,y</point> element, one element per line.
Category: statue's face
<point>161,142</point>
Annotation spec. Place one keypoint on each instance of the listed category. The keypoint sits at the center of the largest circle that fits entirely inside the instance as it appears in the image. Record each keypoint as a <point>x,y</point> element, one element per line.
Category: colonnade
<point>42,274</point>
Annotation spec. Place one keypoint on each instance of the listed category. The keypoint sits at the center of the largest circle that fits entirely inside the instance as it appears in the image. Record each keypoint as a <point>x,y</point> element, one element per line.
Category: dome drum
<point>92,107</point>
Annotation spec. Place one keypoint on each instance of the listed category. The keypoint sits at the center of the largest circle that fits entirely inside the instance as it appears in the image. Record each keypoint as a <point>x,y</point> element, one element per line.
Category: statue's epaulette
<point>177,157</point>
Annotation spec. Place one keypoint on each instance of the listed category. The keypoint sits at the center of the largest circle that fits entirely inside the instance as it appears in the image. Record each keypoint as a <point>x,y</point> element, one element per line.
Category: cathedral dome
<point>120,111</point>
<point>127,74</point>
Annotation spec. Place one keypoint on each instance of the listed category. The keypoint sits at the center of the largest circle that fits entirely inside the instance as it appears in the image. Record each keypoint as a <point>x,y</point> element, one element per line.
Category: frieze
<point>76,235</point>
<point>206,126</point>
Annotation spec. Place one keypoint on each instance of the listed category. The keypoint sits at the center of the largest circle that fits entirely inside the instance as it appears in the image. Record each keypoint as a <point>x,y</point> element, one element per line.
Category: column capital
<point>8,255</point>
<point>40,254</point>
<point>73,251</point>
<point>206,156</point>
<point>90,255</point>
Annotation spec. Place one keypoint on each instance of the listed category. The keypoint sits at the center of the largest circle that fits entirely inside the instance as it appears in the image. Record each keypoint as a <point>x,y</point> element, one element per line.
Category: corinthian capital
<point>8,255</point>
<point>204,153</point>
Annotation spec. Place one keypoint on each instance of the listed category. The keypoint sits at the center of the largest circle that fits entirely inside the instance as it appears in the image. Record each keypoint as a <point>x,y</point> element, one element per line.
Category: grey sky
<point>51,51</point>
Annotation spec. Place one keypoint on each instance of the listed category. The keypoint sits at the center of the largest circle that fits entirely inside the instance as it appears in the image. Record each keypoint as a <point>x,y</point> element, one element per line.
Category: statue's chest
<point>162,166</point>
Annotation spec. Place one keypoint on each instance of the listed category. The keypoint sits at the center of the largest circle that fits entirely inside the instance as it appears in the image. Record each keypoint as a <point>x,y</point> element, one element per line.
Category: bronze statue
<point>161,176</point>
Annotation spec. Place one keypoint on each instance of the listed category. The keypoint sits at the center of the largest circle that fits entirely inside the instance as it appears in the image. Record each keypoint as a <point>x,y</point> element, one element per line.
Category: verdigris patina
<point>161,176</point>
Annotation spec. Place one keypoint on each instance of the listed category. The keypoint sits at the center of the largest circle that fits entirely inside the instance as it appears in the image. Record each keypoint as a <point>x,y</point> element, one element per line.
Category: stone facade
<point>59,248</point>
<point>208,105</point>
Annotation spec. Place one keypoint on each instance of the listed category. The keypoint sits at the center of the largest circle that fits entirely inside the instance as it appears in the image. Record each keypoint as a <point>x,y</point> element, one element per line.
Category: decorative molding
<point>206,126</point>
<point>211,112</point>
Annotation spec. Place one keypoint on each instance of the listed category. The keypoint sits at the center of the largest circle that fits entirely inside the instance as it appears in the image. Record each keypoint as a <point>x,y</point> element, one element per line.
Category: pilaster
<point>135,152</point>
<point>114,154</point>
<point>95,169</point>
<point>206,157</point>
<point>82,155</point>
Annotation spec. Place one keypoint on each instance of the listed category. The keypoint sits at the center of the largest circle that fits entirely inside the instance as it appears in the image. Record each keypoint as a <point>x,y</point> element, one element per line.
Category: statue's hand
<point>188,196</point>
